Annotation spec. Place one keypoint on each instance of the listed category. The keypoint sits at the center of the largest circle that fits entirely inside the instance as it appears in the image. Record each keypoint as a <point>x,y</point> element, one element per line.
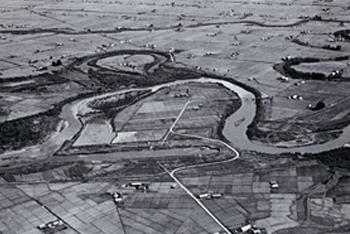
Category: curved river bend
<point>236,135</point>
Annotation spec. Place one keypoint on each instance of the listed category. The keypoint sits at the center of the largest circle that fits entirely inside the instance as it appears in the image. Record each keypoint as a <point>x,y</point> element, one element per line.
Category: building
<point>117,197</point>
<point>246,228</point>
<point>273,184</point>
<point>204,195</point>
<point>216,195</point>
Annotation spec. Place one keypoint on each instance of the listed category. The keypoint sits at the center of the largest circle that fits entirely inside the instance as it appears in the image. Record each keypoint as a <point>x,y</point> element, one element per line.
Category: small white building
<point>246,228</point>
<point>273,184</point>
<point>203,195</point>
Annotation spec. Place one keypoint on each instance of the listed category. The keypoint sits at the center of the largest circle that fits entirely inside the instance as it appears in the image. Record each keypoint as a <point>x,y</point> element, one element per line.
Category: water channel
<point>235,134</point>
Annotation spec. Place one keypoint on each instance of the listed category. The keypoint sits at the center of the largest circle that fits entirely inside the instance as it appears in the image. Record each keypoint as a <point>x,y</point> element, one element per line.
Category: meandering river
<point>235,134</point>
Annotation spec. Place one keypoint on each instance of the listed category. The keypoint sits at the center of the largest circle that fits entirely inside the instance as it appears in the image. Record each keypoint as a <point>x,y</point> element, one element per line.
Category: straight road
<point>171,174</point>
<point>176,120</point>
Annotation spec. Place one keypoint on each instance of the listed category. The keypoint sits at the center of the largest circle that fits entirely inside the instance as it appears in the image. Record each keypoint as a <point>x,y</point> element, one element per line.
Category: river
<point>233,132</point>
<point>236,134</point>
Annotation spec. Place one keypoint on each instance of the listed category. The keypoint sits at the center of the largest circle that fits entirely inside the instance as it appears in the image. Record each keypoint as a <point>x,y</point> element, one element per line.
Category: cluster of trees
<point>35,167</point>
<point>343,34</point>
<point>19,133</point>
<point>317,17</point>
<point>326,47</point>
<point>31,130</point>
<point>56,63</point>
<point>110,107</point>
<point>114,79</point>
<point>112,102</point>
<point>320,105</point>
<point>329,47</point>
<point>335,158</point>
<point>287,68</point>
<point>77,171</point>
<point>290,71</point>
<point>303,75</point>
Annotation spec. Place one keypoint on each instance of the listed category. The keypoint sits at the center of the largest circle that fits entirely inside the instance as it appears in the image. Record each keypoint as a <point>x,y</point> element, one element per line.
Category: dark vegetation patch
<point>39,82</point>
<point>325,47</point>
<point>163,73</point>
<point>286,69</point>
<point>110,108</point>
<point>19,133</point>
<point>77,171</point>
<point>339,158</point>
<point>8,174</point>
<point>325,127</point>
<point>343,34</point>
<point>282,131</point>
<point>341,191</point>
<point>23,132</point>
<point>31,130</point>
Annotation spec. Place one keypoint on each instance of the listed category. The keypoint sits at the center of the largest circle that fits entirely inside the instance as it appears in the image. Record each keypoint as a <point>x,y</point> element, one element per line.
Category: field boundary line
<point>171,174</point>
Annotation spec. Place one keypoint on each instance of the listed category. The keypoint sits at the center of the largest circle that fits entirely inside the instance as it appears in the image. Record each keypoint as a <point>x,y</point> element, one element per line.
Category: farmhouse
<point>251,229</point>
<point>273,184</point>
<point>204,195</point>
<point>216,195</point>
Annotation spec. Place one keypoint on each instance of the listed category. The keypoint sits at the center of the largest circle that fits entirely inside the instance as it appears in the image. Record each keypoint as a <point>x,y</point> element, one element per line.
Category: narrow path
<point>171,174</point>
<point>198,201</point>
<point>176,120</point>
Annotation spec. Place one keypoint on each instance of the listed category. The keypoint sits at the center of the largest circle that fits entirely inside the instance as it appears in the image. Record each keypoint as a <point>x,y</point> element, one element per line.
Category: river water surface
<point>236,133</point>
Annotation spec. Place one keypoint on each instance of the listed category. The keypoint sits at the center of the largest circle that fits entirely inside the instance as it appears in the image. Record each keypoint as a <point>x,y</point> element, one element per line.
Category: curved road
<point>198,201</point>
<point>235,134</point>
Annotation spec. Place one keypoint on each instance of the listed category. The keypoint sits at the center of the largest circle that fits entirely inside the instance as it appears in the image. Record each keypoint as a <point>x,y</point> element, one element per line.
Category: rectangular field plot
<point>210,92</point>
<point>125,62</point>
<point>283,214</point>
<point>123,137</point>
<point>159,201</point>
<point>197,121</point>
<point>227,211</point>
<point>94,134</point>
<point>82,207</point>
<point>19,213</point>
<point>160,106</point>
<point>154,116</point>
<point>317,173</point>
<point>167,221</point>
<point>142,125</point>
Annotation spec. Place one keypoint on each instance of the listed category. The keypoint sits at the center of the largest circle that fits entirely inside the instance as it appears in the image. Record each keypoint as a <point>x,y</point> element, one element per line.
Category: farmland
<point>193,109</point>
<point>174,117</point>
<point>126,63</point>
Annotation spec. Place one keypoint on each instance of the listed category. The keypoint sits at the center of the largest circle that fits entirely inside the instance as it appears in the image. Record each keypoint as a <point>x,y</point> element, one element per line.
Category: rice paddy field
<point>250,196</point>
<point>185,108</point>
<point>95,133</point>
